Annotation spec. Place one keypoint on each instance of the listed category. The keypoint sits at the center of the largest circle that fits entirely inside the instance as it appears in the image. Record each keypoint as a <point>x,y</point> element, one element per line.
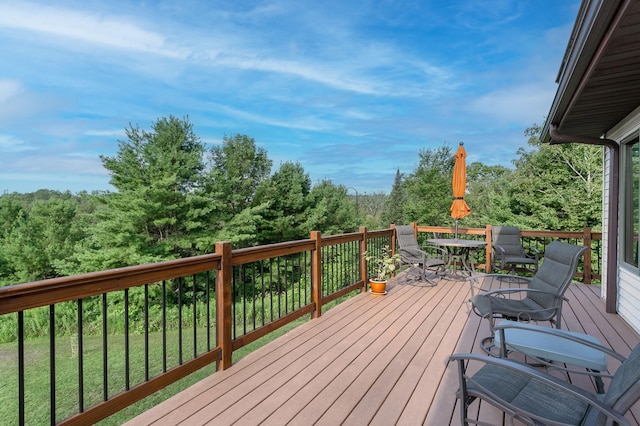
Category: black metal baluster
<point>164,326</point>
<point>146,332</point>
<point>271,287</point>
<point>244,299</point>
<point>80,361</point>
<point>195,330</point>
<point>180,320</point>
<point>253,294</point>
<point>286,286</point>
<point>234,313</point>
<point>127,370</point>
<point>352,255</point>
<point>262,291</point>
<point>299,278</point>
<point>279,288</point>
<point>21,368</point>
<point>333,270</point>
<point>105,357</point>
<point>208,308</point>
<point>306,277</point>
<point>248,280</point>
<point>289,262</point>
<point>52,363</point>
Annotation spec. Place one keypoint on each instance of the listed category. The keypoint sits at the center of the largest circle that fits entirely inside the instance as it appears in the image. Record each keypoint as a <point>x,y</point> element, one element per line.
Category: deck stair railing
<point>130,332</point>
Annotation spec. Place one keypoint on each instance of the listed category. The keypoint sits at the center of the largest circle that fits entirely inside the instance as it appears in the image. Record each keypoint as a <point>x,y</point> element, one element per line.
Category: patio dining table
<point>459,252</point>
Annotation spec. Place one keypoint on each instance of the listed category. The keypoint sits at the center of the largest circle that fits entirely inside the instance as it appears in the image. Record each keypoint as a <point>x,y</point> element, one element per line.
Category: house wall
<point>629,297</point>
<point>628,277</point>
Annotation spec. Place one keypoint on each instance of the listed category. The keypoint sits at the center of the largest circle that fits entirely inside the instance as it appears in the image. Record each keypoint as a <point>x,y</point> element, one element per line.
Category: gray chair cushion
<point>528,394</point>
<point>555,273</point>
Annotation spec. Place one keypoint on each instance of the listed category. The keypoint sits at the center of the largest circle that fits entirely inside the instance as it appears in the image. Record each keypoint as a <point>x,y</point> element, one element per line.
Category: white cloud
<point>306,123</point>
<point>318,73</point>
<point>10,143</point>
<point>8,90</point>
<point>111,31</point>
<point>115,133</point>
<point>523,104</point>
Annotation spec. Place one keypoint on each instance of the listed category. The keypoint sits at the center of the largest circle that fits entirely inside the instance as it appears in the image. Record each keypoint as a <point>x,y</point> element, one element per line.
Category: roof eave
<point>593,21</point>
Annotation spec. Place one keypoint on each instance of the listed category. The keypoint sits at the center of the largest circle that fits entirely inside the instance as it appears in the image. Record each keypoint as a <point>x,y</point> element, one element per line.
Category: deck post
<point>488,250</point>
<point>316,274</point>
<point>223,305</point>
<point>586,237</point>
<point>363,263</point>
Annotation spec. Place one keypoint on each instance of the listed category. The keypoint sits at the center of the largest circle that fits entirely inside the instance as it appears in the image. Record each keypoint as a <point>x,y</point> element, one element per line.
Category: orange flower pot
<point>378,287</point>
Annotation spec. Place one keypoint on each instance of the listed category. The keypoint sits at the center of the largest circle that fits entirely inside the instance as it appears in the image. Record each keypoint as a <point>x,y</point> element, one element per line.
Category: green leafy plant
<point>385,264</point>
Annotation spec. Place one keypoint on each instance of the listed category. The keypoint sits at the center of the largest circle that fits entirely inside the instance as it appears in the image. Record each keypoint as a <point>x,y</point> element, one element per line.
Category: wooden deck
<point>371,360</point>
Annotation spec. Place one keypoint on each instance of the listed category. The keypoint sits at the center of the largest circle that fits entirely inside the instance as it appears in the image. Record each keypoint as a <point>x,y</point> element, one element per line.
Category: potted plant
<point>385,265</point>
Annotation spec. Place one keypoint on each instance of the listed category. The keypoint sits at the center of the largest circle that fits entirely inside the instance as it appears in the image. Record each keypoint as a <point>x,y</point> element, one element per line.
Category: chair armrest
<point>519,290</point>
<point>475,287</point>
<point>497,255</point>
<point>499,249</point>
<point>533,253</point>
<point>433,247</point>
<point>548,380</point>
<point>411,252</point>
<point>483,304</point>
<point>518,279</point>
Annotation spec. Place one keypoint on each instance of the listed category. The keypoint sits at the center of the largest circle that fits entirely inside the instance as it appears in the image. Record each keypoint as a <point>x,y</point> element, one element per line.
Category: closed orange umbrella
<point>459,207</point>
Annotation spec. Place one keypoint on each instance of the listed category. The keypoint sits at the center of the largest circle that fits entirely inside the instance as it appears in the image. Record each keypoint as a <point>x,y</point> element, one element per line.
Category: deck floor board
<point>371,360</point>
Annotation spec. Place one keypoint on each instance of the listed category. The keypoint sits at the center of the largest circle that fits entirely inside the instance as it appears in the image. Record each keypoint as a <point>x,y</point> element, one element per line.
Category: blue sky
<point>351,89</point>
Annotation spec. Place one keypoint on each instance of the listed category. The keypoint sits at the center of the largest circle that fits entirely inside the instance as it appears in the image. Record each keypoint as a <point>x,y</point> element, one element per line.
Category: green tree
<point>42,235</point>
<point>557,187</point>
<point>286,194</point>
<point>238,169</point>
<point>331,211</point>
<point>371,208</point>
<point>488,195</point>
<point>161,208</point>
<point>429,192</point>
<point>11,214</point>
<point>395,204</point>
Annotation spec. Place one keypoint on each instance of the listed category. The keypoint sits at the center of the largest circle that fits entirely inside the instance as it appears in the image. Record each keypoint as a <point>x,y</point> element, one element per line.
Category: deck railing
<point>130,332</point>
<point>134,330</point>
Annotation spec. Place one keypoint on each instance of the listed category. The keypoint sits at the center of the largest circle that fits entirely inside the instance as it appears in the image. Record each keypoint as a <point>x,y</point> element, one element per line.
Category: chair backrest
<point>508,237</point>
<point>406,237</point>
<point>623,391</point>
<point>556,272</point>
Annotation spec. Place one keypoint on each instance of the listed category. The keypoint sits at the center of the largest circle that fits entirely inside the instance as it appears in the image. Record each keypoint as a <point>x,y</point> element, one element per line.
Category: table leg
<point>469,254</point>
<point>455,255</point>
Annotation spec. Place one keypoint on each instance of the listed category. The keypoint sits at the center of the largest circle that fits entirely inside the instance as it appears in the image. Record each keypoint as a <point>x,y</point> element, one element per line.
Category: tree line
<point>175,198</point>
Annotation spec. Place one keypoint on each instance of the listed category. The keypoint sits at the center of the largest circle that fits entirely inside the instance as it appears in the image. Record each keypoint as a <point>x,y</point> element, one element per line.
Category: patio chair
<point>507,252</point>
<point>537,398</point>
<point>413,255</point>
<point>543,293</point>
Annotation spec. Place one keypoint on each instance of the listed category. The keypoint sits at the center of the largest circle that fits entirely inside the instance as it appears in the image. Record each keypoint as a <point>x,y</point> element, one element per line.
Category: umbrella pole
<point>456,229</point>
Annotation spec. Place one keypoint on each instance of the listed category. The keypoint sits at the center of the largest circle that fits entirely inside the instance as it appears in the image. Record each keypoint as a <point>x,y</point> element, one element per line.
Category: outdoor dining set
<point>515,373</point>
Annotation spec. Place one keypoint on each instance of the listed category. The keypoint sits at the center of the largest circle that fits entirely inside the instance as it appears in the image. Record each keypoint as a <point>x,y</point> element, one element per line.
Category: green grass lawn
<point>37,405</point>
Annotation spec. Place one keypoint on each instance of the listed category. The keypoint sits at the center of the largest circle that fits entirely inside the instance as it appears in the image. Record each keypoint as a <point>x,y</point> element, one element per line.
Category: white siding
<point>629,297</point>
<point>628,278</point>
